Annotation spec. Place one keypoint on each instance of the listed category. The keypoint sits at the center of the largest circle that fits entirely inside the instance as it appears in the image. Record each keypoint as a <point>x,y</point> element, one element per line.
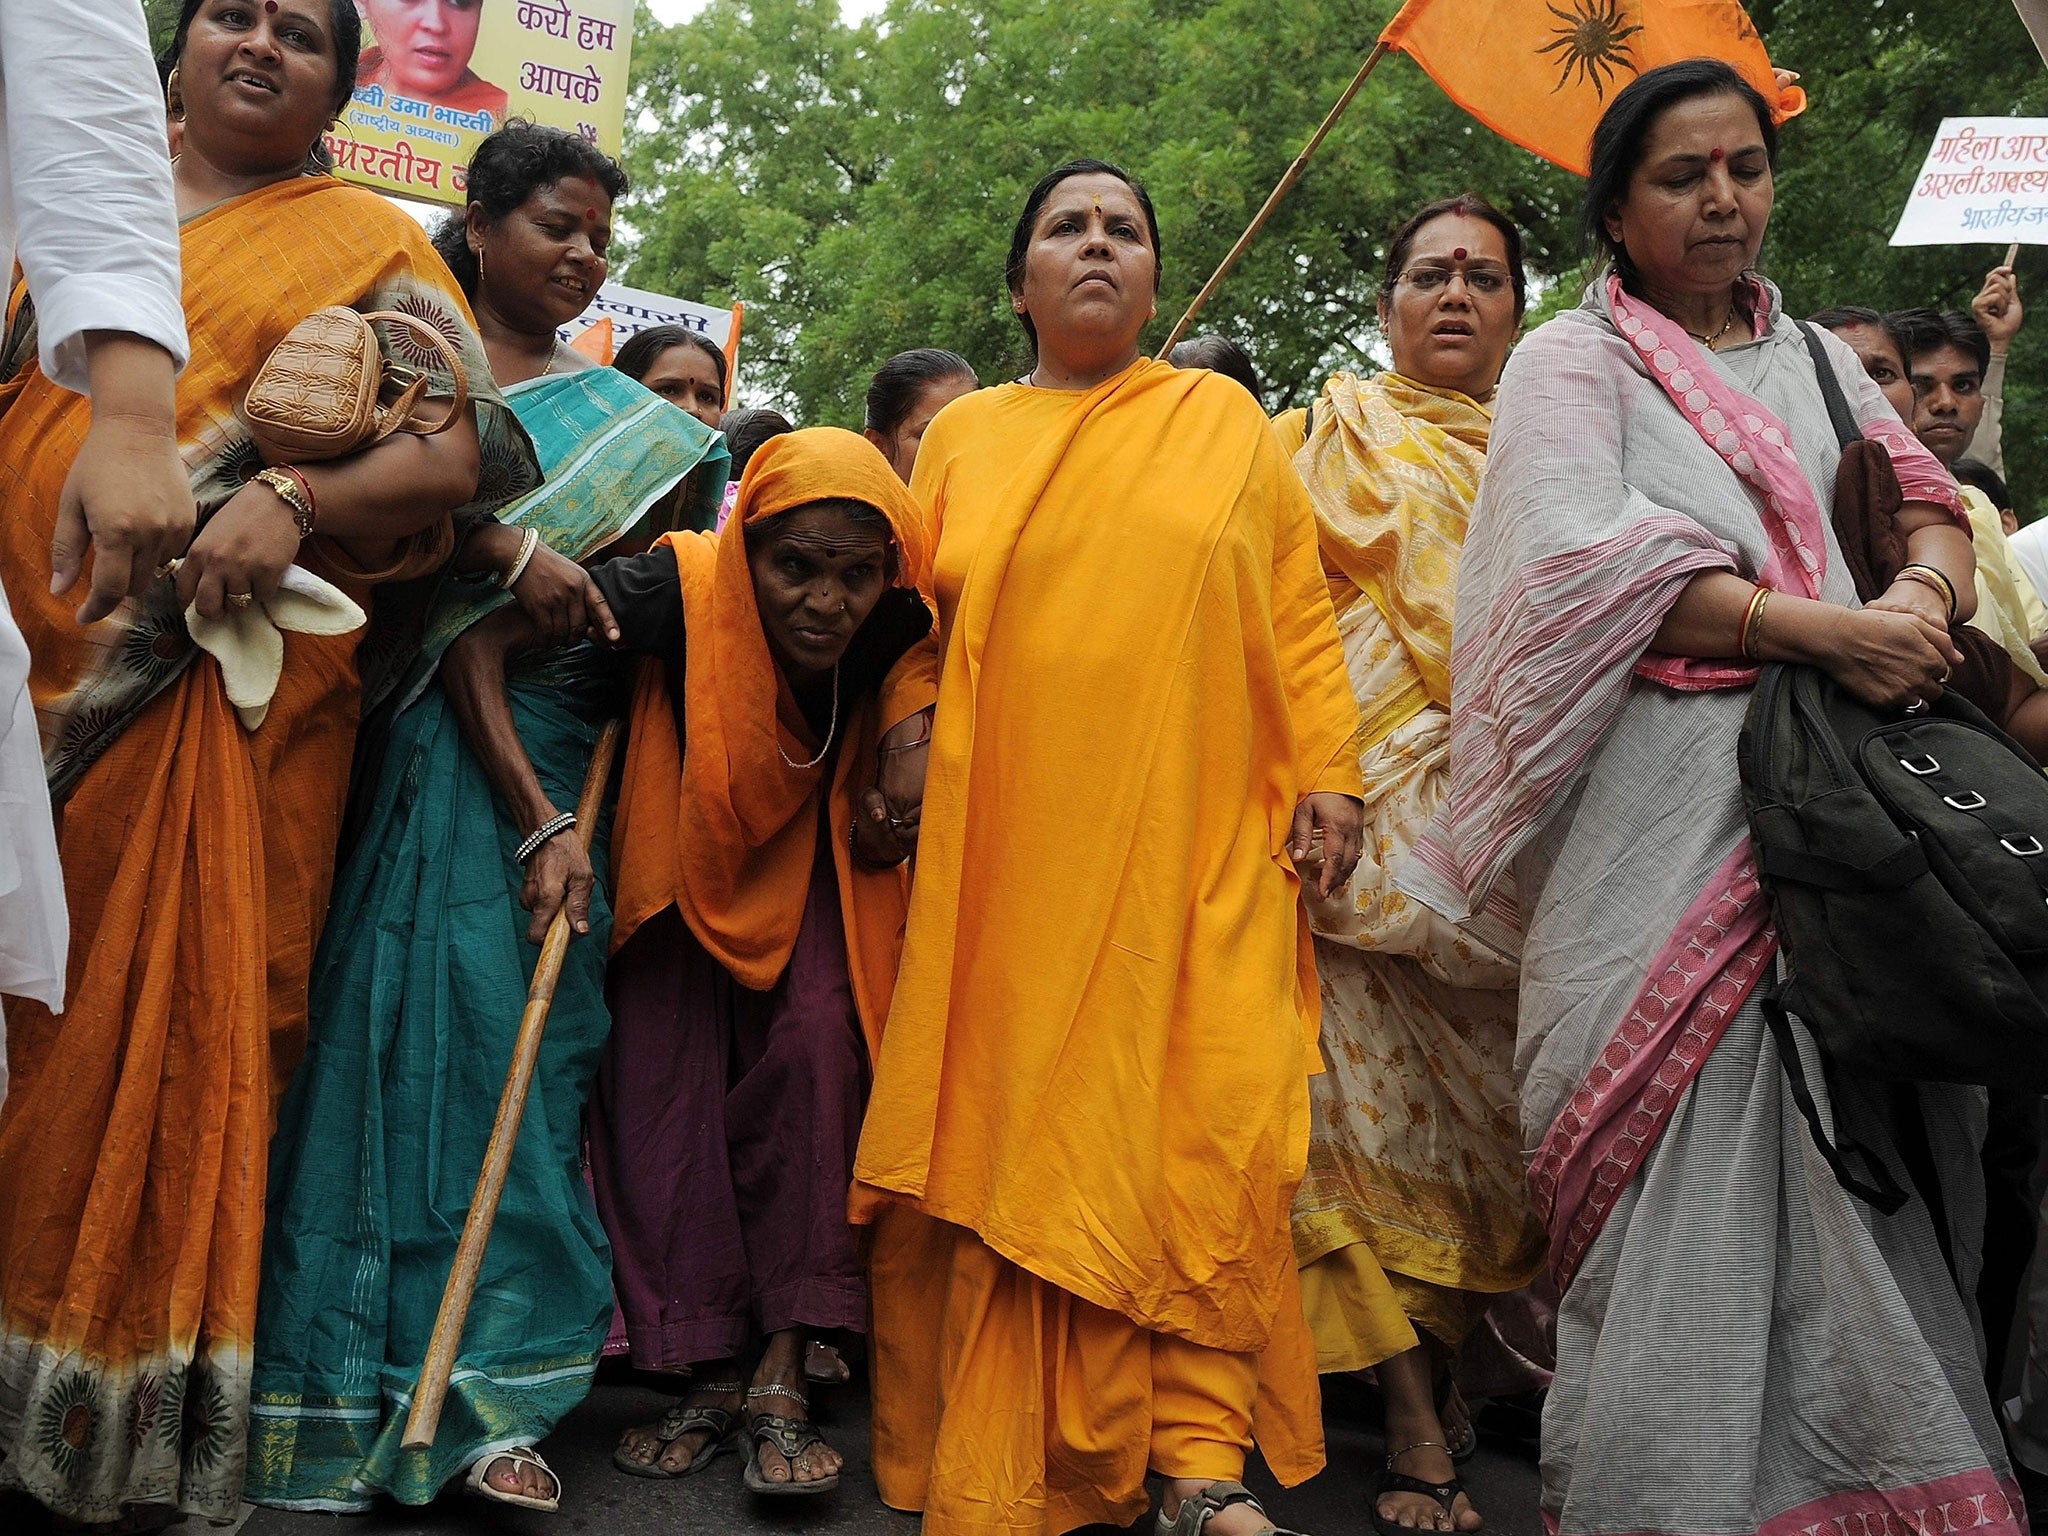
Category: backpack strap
<point>1846,429</point>
<point>1885,1194</point>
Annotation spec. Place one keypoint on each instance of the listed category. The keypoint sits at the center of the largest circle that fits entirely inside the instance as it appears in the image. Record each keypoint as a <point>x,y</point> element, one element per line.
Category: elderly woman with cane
<point>762,895</point>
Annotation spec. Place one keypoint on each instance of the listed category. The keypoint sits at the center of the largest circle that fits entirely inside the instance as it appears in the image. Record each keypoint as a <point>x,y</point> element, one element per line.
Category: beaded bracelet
<point>542,833</point>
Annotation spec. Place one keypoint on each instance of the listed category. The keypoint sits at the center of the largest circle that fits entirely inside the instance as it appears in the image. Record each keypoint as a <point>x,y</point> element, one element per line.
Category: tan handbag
<point>321,393</point>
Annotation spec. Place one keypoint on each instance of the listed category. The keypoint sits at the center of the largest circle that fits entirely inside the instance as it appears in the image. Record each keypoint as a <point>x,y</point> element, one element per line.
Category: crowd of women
<point>1127,905</point>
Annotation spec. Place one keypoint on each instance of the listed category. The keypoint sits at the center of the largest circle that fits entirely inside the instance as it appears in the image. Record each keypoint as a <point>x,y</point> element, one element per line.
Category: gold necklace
<point>1709,341</point>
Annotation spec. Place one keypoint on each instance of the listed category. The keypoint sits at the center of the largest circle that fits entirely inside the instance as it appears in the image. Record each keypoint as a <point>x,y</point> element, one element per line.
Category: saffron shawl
<point>715,822</point>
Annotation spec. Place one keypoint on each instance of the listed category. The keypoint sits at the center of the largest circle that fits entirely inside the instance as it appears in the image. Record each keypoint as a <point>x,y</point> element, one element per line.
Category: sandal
<point>791,1438</point>
<point>1197,1509</point>
<point>679,1421</point>
<point>520,1455</point>
<point>824,1365</point>
<point>1391,1481</point>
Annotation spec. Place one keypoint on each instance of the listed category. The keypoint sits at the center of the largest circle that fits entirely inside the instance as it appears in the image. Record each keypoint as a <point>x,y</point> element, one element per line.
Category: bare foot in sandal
<point>521,1477</point>
<point>1419,1452</point>
<point>789,1451</point>
<point>1413,1510</point>
<point>687,1437</point>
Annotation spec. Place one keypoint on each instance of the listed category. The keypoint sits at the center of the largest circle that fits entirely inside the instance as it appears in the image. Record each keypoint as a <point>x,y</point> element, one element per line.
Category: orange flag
<point>1540,72</point>
<point>594,341</point>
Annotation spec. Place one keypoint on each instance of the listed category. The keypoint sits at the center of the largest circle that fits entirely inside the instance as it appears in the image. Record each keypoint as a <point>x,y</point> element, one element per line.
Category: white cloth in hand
<point>248,641</point>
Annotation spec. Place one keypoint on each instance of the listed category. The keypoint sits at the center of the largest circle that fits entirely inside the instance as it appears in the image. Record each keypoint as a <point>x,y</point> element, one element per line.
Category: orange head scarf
<point>717,823</point>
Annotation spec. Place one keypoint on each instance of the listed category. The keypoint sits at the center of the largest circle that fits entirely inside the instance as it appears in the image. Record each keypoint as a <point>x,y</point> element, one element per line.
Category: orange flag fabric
<point>1540,72</point>
<point>595,341</point>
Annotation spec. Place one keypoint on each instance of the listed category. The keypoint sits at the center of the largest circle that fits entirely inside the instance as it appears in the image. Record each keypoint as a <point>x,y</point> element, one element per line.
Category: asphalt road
<point>601,1501</point>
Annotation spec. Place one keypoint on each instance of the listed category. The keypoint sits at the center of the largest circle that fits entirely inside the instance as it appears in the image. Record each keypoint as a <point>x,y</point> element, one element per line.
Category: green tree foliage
<point>1883,74</point>
<point>162,16</point>
<point>856,186</point>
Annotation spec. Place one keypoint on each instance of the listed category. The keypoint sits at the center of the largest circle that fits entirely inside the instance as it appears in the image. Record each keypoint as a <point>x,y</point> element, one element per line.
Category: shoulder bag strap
<point>1846,429</point>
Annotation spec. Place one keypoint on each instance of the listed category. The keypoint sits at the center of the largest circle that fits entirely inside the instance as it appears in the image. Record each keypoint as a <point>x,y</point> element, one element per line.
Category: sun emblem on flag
<point>1592,43</point>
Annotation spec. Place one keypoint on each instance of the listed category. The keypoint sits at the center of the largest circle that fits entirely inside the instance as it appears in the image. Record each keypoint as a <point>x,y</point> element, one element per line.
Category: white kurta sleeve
<point>88,177</point>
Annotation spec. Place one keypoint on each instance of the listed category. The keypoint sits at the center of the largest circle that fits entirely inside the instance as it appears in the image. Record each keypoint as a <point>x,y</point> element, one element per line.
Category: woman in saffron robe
<point>418,990</point>
<point>1091,1106</point>
<point>1741,1345</point>
<point>198,843</point>
<point>1413,1215</point>
<point>756,940</point>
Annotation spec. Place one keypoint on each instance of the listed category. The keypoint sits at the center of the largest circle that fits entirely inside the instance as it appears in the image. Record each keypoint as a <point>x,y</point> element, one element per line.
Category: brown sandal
<point>791,1438</point>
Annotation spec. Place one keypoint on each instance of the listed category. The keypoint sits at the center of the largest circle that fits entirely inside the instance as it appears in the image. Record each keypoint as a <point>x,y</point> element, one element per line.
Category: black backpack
<point>1905,859</point>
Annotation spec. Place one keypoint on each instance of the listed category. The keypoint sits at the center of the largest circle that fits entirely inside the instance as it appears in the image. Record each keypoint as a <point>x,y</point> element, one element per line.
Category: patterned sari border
<point>1978,1502</point>
<point>1601,1138</point>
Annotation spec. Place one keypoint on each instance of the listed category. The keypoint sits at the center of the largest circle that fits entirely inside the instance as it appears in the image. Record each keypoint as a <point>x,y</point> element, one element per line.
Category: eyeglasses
<point>1486,280</point>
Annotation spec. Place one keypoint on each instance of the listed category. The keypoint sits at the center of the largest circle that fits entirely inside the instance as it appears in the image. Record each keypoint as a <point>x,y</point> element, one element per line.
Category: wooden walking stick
<point>432,1389</point>
<point>1180,329</point>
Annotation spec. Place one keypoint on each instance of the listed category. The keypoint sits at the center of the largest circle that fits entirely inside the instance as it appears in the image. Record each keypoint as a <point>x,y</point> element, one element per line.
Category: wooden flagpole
<point>1180,329</point>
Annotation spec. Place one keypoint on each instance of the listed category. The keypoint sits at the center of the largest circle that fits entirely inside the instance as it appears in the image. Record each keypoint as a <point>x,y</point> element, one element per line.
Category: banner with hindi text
<point>1984,181</point>
<point>437,76</point>
<point>631,310</point>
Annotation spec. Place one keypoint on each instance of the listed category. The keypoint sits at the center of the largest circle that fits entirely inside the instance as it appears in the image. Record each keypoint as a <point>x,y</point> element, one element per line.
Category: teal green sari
<point>417,992</point>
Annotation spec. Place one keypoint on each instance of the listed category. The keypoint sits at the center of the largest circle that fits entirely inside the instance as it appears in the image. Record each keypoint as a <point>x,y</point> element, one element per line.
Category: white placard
<point>635,309</point>
<point>1985,181</point>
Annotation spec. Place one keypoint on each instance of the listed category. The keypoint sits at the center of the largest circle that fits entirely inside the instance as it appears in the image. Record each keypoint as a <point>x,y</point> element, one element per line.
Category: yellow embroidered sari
<point>1413,1206</point>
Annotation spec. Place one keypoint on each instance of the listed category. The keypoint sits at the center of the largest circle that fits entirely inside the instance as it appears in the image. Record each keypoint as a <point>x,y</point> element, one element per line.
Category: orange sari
<point>197,858</point>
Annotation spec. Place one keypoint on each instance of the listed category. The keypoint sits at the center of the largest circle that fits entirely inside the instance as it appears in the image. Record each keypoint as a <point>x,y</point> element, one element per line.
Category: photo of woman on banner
<point>422,52</point>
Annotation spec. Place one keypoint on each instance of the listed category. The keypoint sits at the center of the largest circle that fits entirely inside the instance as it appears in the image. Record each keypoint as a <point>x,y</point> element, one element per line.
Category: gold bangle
<point>1934,577</point>
<point>287,489</point>
<point>1753,621</point>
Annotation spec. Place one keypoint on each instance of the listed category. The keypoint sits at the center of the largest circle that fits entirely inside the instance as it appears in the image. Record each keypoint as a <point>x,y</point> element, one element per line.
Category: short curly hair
<point>509,167</point>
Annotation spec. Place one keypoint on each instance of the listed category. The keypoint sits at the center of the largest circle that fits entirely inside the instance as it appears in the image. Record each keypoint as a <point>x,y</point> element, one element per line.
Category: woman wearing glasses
<point>1412,1217</point>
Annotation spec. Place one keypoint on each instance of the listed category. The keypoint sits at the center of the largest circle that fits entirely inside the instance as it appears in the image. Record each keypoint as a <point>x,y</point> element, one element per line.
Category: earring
<point>479,266</point>
<point>173,104</point>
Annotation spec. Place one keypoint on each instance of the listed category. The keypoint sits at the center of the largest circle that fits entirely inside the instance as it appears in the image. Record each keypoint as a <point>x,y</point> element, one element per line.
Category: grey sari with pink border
<point>1742,1346</point>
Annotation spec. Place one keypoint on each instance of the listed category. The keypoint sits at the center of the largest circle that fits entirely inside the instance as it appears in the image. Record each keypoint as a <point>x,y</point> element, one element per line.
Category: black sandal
<point>681,1420</point>
<point>790,1437</point>
<point>1391,1481</point>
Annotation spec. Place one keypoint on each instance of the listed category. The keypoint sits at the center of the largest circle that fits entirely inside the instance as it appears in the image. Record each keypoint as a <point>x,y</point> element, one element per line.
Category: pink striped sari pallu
<point>1742,1348</point>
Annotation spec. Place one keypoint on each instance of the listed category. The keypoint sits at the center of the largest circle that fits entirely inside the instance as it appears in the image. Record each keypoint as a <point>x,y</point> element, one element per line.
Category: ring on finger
<point>239,599</point>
